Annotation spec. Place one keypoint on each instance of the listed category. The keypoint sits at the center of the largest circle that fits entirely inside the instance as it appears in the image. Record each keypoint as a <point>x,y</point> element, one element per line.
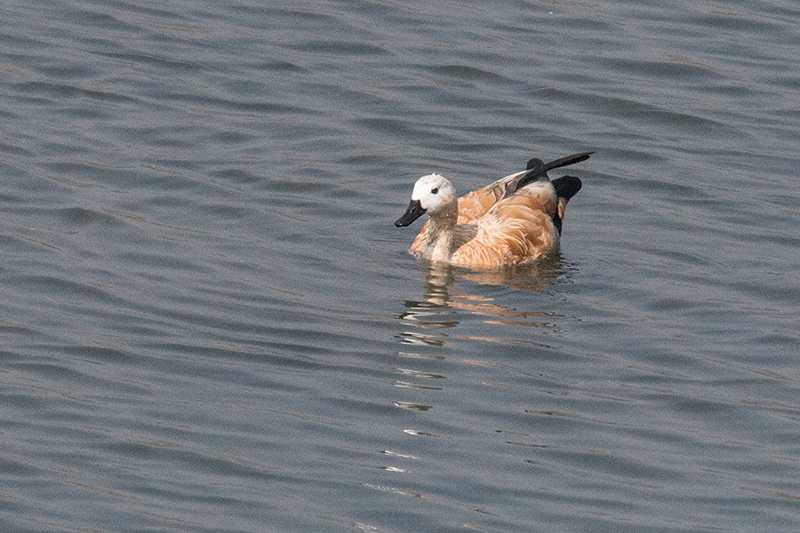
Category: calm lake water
<point>209,322</point>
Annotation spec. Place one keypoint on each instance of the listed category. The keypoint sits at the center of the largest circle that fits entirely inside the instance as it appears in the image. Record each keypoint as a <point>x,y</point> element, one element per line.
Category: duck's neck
<point>441,231</point>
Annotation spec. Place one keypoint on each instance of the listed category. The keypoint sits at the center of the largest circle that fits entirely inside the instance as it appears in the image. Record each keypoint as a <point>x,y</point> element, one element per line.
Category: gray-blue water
<point>209,323</point>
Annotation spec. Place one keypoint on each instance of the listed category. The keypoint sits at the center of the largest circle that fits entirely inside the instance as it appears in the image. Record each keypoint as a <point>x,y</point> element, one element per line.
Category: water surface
<point>210,323</point>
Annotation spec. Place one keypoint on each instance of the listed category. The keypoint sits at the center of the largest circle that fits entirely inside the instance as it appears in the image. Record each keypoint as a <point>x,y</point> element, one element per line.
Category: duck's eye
<point>435,190</point>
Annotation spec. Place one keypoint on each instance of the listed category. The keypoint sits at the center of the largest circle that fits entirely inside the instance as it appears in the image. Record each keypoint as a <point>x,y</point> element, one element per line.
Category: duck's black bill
<point>413,212</point>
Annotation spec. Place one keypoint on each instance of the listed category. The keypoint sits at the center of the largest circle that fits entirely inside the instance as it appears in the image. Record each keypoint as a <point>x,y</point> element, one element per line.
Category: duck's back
<point>516,230</point>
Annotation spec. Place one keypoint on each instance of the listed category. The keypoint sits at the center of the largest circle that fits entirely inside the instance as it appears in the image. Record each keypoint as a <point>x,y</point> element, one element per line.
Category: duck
<point>512,221</point>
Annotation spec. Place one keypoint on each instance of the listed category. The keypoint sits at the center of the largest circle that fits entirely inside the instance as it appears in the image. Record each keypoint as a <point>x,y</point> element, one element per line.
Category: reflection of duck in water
<point>514,220</point>
<point>445,292</point>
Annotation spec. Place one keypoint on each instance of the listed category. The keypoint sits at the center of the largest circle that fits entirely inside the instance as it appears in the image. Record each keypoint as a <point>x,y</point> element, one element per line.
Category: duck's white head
<point>432,194</point>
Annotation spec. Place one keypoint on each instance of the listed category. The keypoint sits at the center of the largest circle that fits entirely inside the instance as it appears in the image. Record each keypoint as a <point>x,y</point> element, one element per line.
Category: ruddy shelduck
<point>512,221</point>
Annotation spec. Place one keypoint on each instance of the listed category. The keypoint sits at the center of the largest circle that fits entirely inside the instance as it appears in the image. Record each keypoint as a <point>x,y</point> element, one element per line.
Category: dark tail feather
<point>567,186</point>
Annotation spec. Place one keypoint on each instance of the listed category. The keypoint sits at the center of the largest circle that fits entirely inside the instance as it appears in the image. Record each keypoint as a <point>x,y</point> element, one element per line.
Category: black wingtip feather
<point>535,164</point>
<point>537,169</point>
<point>569,160</point>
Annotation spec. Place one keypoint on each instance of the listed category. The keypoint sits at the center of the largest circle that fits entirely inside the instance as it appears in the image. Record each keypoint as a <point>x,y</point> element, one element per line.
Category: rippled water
<point>209,322</point>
